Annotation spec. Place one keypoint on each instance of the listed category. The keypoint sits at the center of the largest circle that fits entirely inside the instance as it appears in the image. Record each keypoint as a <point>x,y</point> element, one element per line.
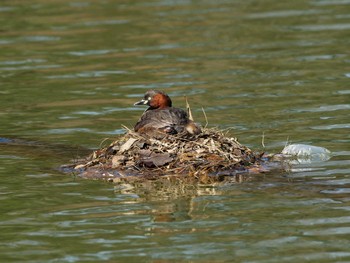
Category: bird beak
<point>142,102</point>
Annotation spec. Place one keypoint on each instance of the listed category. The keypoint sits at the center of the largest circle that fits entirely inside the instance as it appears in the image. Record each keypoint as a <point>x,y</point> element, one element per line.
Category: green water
<point>70,72</point>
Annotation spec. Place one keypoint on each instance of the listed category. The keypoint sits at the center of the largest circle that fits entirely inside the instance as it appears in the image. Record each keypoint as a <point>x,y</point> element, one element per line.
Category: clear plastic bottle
<point>304,153</point>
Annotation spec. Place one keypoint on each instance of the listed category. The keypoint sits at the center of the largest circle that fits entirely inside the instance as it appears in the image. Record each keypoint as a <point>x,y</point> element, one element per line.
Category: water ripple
<point>67,233</point>
<point>90,52</point>
<point>104,22</point>
<point>21,62</point>
<point>12,157</point>
<point>320,57</point>
<point>89,74</point>
<point>160,47</point>
<point>337,191</point>
<point>325,108</point>
<point>5,42</point>
<point>285,13</point>
<point>328,231</point>
<point>68,130</point>
<point>310,257</point>
<point>343,92</point>
<point>106,110</point>
<point>321,221</point>
<point>79,4</point>
<point>331,2</point>
<point>332,126</point>
<point>30,67</point>
<point>40,38</point>
<point>162,85</point>
<point>344,26</point>
<point>6,8</point>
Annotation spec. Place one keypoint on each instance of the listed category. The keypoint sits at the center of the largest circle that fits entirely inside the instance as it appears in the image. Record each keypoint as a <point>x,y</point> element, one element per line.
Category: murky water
<point>69,74</point>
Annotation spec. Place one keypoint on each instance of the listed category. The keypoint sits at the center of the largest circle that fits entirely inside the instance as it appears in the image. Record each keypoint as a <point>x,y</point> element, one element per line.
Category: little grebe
<point>161,118</point>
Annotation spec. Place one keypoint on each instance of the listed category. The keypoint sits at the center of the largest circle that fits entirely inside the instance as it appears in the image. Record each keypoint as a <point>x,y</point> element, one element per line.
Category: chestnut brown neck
<point>160,101</point>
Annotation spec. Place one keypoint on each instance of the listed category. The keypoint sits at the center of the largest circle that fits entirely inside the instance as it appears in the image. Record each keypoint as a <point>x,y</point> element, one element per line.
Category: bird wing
<point>161,118</point>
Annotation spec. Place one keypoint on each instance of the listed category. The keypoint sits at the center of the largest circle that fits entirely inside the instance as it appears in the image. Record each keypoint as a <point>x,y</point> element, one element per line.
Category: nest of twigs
<point>210,154</point>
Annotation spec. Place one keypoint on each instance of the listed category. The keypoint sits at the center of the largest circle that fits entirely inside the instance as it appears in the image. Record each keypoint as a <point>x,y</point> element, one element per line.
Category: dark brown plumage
<point>161,118</point>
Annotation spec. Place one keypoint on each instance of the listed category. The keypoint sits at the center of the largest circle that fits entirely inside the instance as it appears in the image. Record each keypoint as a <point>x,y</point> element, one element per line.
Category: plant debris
<point>206,157</point>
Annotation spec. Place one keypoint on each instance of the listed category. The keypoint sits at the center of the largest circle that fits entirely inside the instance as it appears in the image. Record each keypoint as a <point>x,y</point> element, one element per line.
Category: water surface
<point>70,72</point>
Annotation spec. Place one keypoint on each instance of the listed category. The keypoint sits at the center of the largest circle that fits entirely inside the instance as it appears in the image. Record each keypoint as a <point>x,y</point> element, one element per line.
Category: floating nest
<point>208,157</point>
